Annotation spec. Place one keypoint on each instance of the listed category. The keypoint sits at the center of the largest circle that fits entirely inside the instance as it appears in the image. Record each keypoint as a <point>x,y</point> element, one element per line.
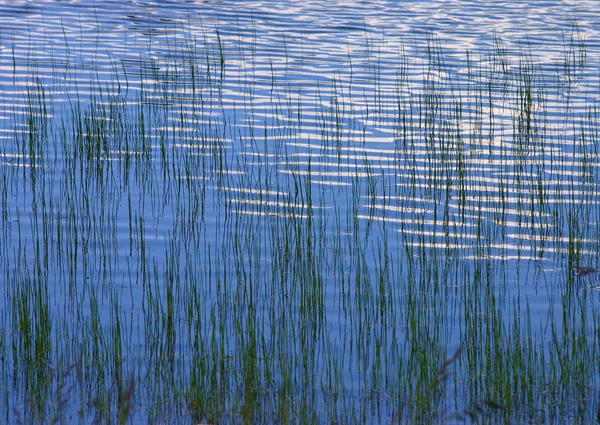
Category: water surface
<point>299,211</point>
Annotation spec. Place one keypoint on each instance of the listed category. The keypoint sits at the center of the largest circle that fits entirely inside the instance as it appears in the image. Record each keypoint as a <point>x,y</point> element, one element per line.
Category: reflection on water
<point>300,209</point>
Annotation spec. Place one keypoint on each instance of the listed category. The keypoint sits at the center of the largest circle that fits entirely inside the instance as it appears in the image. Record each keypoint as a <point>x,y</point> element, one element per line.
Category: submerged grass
<point>199,237</point>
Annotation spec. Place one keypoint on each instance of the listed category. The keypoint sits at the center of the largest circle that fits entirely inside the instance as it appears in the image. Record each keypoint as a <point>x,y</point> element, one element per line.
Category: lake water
<point>281,211</point>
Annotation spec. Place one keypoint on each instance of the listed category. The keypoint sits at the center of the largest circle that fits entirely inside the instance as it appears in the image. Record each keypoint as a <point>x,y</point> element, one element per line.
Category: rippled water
<point>346,193</point>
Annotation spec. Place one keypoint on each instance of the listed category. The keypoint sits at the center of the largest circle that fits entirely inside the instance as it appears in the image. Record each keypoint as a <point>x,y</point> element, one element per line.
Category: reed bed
<point>210,233</point>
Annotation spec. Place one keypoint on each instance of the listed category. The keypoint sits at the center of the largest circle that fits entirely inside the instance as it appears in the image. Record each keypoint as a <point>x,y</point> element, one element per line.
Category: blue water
<point>252,108</point>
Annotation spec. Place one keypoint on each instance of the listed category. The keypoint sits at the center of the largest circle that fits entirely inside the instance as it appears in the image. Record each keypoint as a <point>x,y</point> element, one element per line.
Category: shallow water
<point>299,210</point>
